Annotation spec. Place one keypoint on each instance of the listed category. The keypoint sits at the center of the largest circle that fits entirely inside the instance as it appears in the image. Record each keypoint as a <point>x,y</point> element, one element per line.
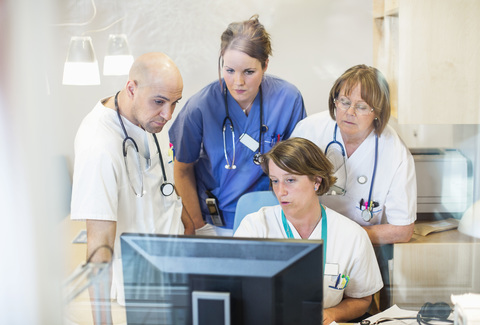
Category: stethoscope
<point>365,207</point>
<point>263,128</point>
<point>166,188</point>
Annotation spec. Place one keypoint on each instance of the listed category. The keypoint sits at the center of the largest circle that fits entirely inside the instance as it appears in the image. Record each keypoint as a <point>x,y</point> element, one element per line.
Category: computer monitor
<point>222,280</point>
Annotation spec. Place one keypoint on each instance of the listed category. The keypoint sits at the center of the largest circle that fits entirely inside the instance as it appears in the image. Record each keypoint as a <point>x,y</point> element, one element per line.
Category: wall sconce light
<point>81,66</point>
<point>119,59</point>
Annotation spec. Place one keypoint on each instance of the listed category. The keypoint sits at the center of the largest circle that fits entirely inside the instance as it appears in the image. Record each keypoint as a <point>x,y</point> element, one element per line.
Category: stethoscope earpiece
<point>228,166</point>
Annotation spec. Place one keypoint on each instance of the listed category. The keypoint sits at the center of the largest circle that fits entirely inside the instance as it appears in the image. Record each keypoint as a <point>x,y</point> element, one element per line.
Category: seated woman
<point>299,172</point>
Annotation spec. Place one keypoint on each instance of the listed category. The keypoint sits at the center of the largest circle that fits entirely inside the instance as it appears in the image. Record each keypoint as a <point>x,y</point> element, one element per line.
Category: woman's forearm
<point>186,186</point>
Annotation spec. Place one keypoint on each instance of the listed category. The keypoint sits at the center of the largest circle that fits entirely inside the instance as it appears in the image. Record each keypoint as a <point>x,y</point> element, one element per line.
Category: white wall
<point>313,43</point>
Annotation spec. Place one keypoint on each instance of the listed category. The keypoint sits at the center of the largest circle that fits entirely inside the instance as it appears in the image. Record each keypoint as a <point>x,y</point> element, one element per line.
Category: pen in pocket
<point>341,282</point>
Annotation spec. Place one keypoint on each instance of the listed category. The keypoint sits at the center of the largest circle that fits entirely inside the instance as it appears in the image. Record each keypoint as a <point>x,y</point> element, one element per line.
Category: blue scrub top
<point>196,135</point>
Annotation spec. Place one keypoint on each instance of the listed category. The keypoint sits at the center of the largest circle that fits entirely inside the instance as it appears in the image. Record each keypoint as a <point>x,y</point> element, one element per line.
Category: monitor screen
<point>222,280</point>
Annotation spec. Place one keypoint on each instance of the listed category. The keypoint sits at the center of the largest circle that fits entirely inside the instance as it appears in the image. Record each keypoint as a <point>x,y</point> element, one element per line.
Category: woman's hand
<point>186,186</point>
<point>328,316</point>
<point>346,310</point>
<point>389,234</point>
<point>187,223</point>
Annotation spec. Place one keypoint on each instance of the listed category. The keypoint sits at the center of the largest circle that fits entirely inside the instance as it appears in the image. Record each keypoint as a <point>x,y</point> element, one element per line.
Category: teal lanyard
<point>286,226</point>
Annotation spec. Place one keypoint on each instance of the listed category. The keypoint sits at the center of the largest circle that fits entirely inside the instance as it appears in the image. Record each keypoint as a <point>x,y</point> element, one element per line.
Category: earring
<point>316,188</point>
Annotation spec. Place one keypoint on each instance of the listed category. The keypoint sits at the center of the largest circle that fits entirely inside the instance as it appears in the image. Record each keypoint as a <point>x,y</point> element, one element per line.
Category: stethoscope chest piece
<point>366,215</point>
<point>362,179</point>
<point>167,189</point>
<point>257,158</point>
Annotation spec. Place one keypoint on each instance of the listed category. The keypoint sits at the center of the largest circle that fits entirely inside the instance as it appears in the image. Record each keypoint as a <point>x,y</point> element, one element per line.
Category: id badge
<point>215,212</point>
<point>331,269</point>
<point>249,142</point>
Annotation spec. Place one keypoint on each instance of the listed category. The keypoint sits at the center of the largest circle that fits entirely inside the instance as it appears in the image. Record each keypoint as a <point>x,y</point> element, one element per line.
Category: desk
<point>431,268</point>
<point>79,312</point>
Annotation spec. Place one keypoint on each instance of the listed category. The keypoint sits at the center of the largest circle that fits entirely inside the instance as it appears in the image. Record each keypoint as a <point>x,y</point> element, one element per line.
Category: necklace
<point>246,110</point>
<point>289,231</point>
<point>315,226</point>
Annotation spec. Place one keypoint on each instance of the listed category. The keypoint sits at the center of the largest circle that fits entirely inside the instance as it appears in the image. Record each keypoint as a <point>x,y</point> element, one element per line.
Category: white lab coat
<point>101,189</point>
<point>349,250</point>
<point>395,187</point>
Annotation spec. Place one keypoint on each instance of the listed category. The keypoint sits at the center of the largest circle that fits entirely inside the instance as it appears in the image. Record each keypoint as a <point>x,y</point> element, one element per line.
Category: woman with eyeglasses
<point>299,172</point>
<point>376,184</point>
<point>221,132</point>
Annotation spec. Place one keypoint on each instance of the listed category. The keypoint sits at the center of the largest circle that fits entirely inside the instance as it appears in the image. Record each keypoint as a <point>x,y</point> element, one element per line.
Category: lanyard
<point>288,230</point>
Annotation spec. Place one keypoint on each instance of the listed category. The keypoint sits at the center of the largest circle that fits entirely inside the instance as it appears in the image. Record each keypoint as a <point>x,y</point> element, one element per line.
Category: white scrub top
<point>197,137</point>
<point>348,247</point>
<point>101,189</point>
<point>394,188</point>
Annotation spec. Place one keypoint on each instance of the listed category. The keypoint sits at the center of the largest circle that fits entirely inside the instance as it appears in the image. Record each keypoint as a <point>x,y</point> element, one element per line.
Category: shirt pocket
<point>332,295</point>
<point>358,193</point>
<point>271,138</point>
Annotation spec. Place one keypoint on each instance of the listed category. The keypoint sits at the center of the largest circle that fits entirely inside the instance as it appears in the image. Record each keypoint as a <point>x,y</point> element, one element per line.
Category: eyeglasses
<point>344,104</point>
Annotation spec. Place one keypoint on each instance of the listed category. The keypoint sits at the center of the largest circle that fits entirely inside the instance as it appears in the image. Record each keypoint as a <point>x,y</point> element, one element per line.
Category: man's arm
<point>346,310</point>
<point>389,234</point>
<point>100,236</point>
<point>186,185</point>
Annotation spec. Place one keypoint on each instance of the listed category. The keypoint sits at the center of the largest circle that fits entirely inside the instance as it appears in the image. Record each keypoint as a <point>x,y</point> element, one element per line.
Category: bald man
<point>122,133</point>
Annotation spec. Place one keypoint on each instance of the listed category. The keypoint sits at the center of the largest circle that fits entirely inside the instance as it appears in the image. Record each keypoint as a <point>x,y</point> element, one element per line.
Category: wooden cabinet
<point>429,50</point>
<point>432,268</point>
